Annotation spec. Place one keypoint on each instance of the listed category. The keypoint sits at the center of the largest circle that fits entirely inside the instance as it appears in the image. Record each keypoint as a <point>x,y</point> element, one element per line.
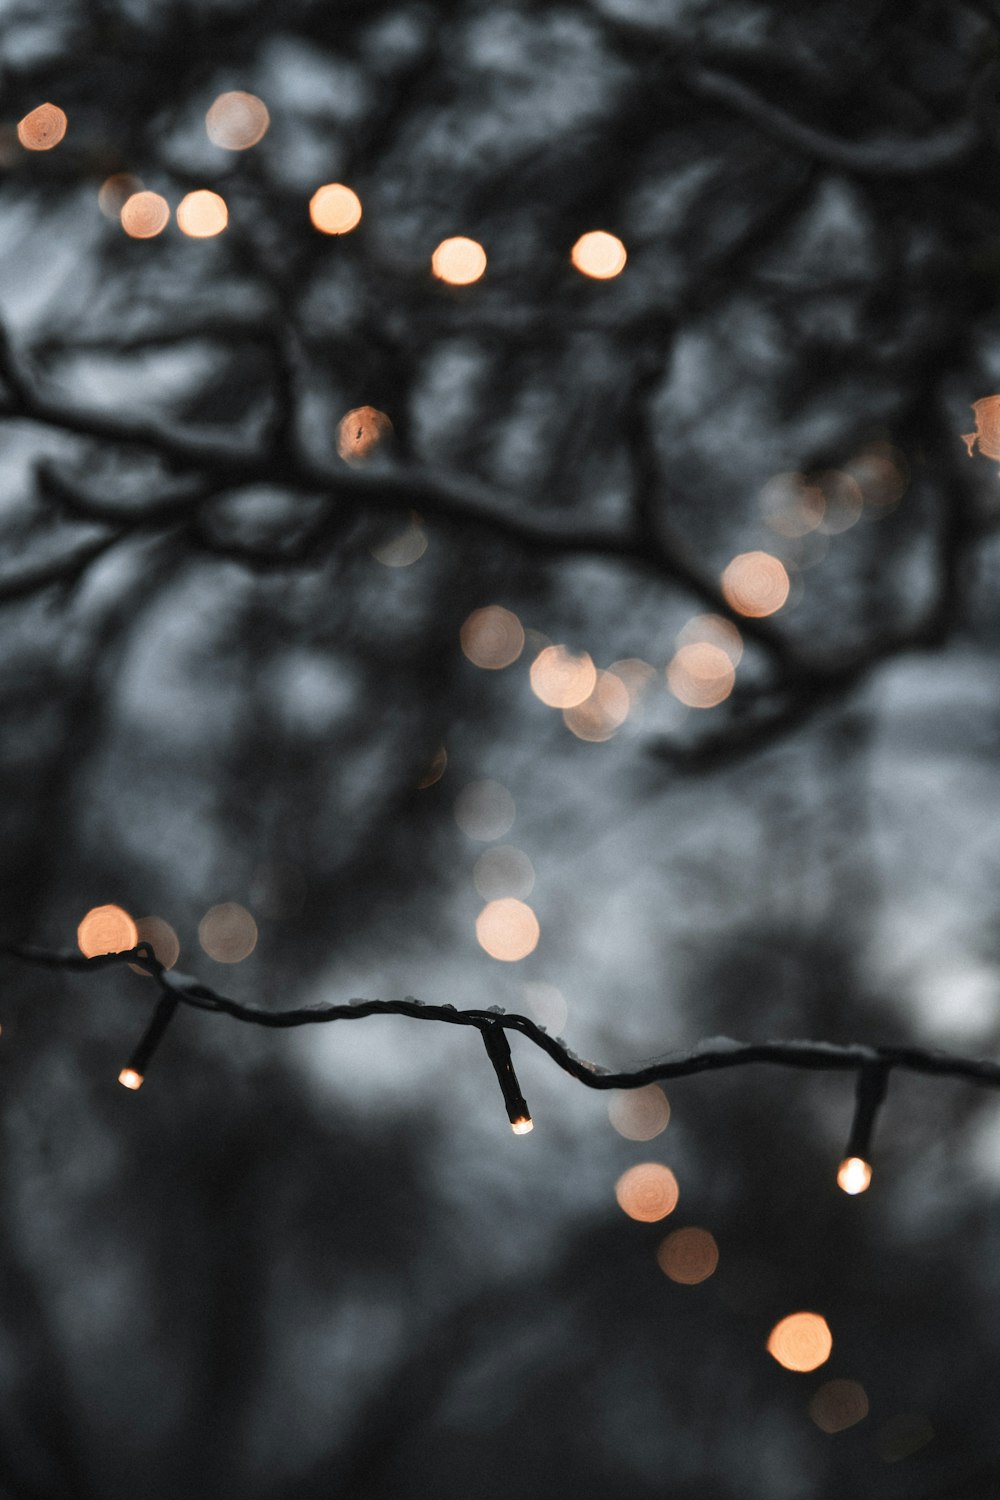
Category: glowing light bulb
<point>522,1126</point>
<point>130,1079</point>
<point>854,1175</point>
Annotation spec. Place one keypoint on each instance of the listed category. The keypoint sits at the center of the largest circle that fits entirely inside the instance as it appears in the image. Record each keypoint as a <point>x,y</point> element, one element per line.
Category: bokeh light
<point>228,933</point>
<point>701,675</point>
<point>42,128</point>
<point>839,1404</point>
<point>115,191</point>
<point>854,1175</point>
<point>792,506</point>
<point>503,871</point>
<point>987,414</point>
<point>106,929</point>
<point>881,473</point>
<point>405,548</point>
<point>755,584</point>
<point>802,1341</point>
<point>163,940</point>
<point>492,637</point>
<point>602,713</point>
<point>360,431</point>
<point>842,501</point>
<point>335,209</point>
<point>599,255</point>
<point>639,1114</point>
<point>459,261</point>
<point>507,929</point>
<point>236,121</point>
<point>713,630</point>
<point>688,1256</point>
<point>647,1192</point>
<point>546,1004</point>
<point>436,769</point>
<point>144,215</point>
<point>202,215</point>
<point>636,674</point>
<point>485,810</point>
<point>560,679</point>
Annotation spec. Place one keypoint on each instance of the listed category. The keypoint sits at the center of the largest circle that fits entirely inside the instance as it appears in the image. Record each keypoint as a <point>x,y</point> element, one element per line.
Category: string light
<point>872,1067</point>
<point>498,1051</point>
<point>855,1173</point>
<point>134,1071</point>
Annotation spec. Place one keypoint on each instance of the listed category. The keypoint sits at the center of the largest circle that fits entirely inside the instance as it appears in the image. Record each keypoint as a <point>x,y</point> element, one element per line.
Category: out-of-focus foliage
<point>672,589</point>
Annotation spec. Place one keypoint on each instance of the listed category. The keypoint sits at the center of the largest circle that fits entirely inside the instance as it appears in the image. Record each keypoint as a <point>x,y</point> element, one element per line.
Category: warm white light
<point>854,1175</point>
<point>237,121</point>
<point>130,1079</point>
<point>335,209</point>
<point>202,215</point>
<point>459,261</point>
<point>523,1126</point>
<point>43,128</point>
<point>599,254</point>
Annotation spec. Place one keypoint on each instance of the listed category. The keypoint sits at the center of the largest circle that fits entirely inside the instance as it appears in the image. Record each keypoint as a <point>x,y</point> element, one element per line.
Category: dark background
<point>318,1262</point>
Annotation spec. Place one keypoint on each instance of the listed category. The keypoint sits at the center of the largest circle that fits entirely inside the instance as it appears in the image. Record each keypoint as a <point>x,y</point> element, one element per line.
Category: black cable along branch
<point>871,1064</point>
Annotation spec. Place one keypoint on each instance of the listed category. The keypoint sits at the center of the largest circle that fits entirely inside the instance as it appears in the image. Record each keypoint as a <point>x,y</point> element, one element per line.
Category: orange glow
<point>713,630</point>
<point>435,770</point>
<point>42,128</point>
<point>106,929</point>
<point>228,933</point>
<point>755,584</point>
<point>560,679</point>
<point>507,930</point>
<point>546,1004</point>
<point>639,1114</point>
<point>987,433</point>
<point>360,432</point>
<point>335,209</point>
<point>688,1256</point>
<point>459,261</point>
<point>599,254</point>
<point>522,1126</point>
<point>202,215</point>
<point>115,191</point>
<point>237,121</point>
<point>503,871</point>
<point>647,1192</point>
<point>492,637</point>
<point>791,505</point>
<point>163,940</point>
<point>701,675</point>
<point>403,549</point>
<point>145,215</point>
<point>601,715</point>
<point>130,1079</point>
<point>839,1404</point>
<point>802,1341</point>
<point>485,810</point>
<point>854,1175</point>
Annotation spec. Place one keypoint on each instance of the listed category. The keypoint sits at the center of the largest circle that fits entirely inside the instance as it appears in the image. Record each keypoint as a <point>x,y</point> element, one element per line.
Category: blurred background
<point>485,517</point>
